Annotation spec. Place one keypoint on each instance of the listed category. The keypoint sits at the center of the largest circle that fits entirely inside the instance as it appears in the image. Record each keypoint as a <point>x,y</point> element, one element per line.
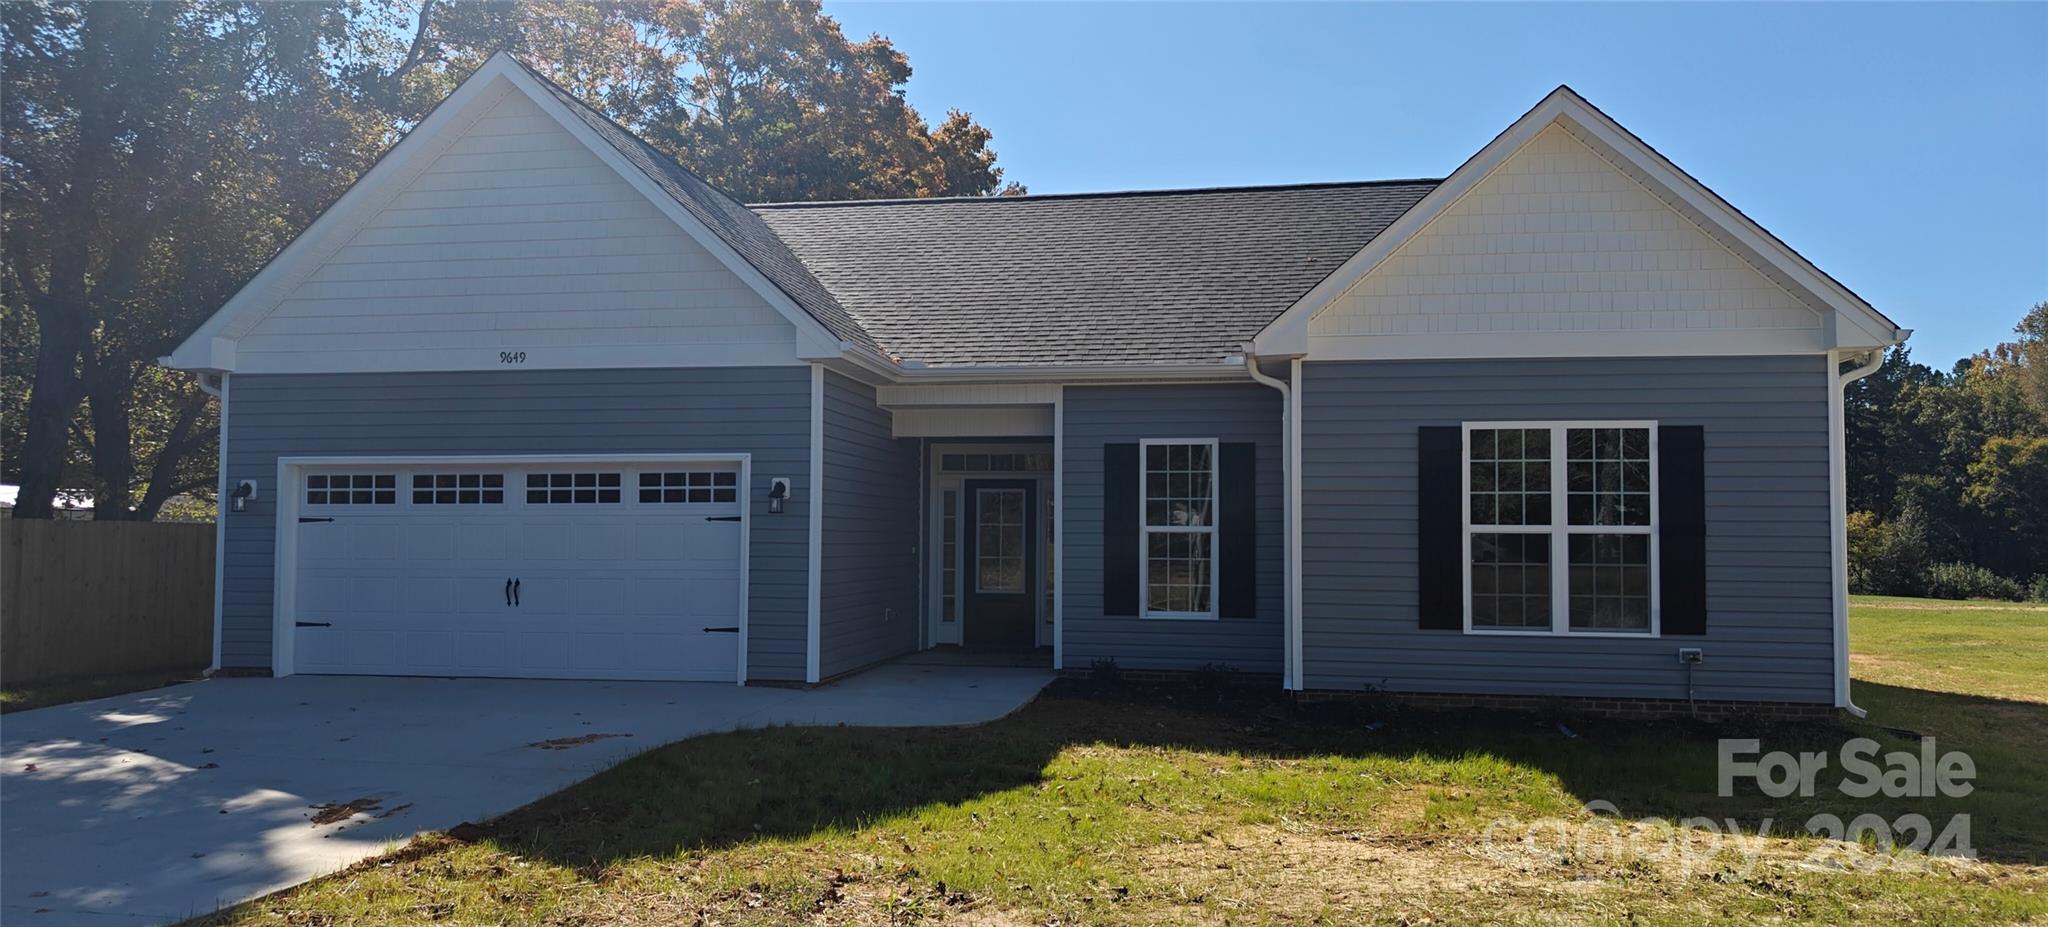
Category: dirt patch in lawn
<point>564,743</point>
<point>336,812</point>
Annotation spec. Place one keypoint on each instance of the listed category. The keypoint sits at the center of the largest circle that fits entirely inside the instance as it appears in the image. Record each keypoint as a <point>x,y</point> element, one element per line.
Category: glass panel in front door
<point>999,541</point>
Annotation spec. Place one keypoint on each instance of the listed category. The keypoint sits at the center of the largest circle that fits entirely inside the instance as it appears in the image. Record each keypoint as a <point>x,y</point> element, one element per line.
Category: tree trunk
<point>47,426</point>
<point>163,472</point>
<point>113,443</point>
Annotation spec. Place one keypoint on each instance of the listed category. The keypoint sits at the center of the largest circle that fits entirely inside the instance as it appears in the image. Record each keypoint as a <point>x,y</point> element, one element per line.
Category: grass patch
<point>64,691</point>
<point>1978,648</point>
<point>1160,806</point>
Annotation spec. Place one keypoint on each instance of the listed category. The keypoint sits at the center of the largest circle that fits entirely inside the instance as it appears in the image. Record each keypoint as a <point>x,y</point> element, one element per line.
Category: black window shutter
<point>1120,529</point>
<point>1682,528</point>
<point>1439,521</point>
<point>1237,546</point>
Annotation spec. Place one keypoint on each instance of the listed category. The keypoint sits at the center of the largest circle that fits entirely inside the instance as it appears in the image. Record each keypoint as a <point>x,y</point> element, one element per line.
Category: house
<point>74,504</point>
<point>532,400</point>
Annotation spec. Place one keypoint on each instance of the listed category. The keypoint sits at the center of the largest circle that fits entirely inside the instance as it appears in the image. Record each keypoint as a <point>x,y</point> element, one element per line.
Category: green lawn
<point>1171,806</point>
<point>43,695</point>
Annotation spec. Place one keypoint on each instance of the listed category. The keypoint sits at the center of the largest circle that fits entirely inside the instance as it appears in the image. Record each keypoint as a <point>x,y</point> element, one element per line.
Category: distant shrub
<point>1105,672</point>
<point>1888,557</point>
<point>2037,591</point>
<point>1969,581</point>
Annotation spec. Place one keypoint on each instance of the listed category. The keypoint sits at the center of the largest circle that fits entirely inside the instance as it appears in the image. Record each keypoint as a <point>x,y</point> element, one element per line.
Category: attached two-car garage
<point>587,568</point>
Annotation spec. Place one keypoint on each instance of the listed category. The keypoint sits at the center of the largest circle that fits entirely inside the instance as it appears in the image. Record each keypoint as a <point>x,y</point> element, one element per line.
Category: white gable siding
<point>517,238</point>
<point>1558,248</point>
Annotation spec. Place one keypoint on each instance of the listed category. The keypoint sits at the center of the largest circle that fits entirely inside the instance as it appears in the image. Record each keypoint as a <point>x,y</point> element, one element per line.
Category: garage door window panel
<point>352,489</point>
<point>690,486</point>
<point>572,488</point>
<point>458,488</point>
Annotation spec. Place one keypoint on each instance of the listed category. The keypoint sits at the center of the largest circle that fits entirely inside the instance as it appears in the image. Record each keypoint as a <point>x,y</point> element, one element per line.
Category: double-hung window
<point>1560,527</point>
<point>1178,512</point>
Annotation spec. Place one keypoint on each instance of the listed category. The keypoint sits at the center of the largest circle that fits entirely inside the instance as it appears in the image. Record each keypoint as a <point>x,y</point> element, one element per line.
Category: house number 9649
<point>511,357</point>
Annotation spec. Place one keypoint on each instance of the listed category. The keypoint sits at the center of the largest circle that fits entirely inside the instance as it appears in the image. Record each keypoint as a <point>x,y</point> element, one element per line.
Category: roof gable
<point>721,227</point>
<point>1844,319</point>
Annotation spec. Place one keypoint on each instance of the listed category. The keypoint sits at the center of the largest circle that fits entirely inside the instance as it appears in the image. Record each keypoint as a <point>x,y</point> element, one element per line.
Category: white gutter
<point>1290,436</point>
<point>1838,508</point>
<point>220,505</point>
<point>1232,369</point>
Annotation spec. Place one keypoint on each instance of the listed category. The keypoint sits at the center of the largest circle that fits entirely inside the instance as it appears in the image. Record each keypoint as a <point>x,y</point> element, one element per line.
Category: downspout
<point>1838,539</point>
<point>219,391</point>
<point>1290,672</point>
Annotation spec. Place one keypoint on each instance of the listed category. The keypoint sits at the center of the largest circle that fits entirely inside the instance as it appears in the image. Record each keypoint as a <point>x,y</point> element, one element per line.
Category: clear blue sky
<point>1902,147</point>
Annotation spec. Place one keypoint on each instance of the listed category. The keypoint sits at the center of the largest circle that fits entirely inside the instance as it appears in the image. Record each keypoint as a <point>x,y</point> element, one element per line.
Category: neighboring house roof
<point>726,217</point>
<point>1146,278</point>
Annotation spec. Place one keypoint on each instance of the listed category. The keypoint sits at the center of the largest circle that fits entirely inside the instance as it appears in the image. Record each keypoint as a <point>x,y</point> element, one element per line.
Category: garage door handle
<point>731,630</point>
<point>508,592</point>
<point>515,592</point>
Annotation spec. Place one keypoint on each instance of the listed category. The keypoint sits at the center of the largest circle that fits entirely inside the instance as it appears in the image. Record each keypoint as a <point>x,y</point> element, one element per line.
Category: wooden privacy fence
<point>93,598</point>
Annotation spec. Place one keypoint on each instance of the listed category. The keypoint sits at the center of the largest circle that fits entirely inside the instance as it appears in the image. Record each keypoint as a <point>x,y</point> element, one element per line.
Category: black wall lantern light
<point>239,499</point>
<point>778,492</point>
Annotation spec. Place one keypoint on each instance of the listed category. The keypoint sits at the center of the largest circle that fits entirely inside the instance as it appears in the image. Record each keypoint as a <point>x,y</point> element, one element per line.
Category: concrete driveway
<point>157,806</point>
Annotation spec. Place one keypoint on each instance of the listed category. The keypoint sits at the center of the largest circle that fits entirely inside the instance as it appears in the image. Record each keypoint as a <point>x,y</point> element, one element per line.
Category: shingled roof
<point>1169,277</point>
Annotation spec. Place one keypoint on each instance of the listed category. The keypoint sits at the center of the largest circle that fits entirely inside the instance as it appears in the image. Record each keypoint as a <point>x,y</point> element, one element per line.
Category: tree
<point>2008,489</point>
<point>155,155</point>
<point>2027,355</point>
<point>1952,468</point>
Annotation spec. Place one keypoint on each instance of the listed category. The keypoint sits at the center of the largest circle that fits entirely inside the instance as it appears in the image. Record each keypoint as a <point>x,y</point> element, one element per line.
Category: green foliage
<point>1887,558</point>
<point>1104,671</point>
<point>1969,581</point>
<point>1951,468</point>
<point>2008,491</point>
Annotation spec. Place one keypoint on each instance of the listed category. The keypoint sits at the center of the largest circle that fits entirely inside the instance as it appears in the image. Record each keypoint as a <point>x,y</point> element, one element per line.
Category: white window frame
<point>1213,529</point>
<point>1559,530</point>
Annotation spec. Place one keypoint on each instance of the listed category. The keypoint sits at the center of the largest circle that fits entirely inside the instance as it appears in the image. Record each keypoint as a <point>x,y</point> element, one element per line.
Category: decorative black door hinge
<point>731,630</point>
<point>721,518</point>
<point>313,624</point>
<point>307,518</point>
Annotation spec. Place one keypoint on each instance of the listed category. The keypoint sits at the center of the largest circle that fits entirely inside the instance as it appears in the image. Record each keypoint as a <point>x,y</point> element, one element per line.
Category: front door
<point>1000,555</point>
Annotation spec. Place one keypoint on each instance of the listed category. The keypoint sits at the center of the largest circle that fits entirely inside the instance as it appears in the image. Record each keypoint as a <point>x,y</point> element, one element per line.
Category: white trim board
<point>1849,322</point>
<point>814,616</point>
<point>284,555</point>
<point>1059,528</point>
<point>212,346</point>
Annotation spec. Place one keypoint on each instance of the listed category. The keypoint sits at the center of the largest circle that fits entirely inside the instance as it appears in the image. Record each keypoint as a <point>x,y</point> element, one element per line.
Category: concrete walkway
<point>156,806</point>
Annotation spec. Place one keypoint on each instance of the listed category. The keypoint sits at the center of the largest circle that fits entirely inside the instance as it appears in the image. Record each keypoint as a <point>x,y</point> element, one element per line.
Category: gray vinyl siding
<point>1769,593</point>
<point>762,411</point>
<point>1120,414</point>
<point>868,574</point>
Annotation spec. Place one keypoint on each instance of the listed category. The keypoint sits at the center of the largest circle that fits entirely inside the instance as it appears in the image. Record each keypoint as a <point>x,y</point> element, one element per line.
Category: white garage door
<point>561,570</point>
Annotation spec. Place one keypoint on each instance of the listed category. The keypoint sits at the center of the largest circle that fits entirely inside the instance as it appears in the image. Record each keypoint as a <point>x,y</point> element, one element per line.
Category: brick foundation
<point>1567,706</point>
<point>1579,706</point>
